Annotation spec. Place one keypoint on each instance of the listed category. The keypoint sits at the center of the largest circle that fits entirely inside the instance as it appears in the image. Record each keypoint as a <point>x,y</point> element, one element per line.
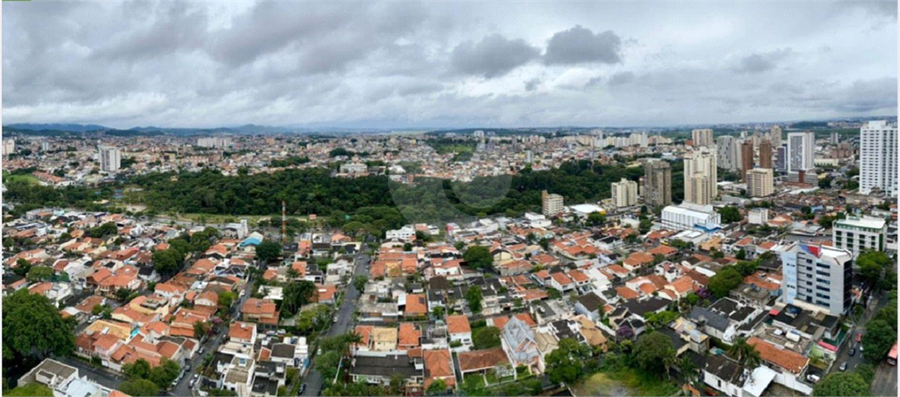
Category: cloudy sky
<point>448,64</point>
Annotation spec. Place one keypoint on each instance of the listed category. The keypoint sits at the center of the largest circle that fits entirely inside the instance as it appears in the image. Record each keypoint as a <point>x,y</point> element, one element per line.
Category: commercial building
<point>551,204</point>
<point>726,152</point>
<point>878,157</point>
<point>760,182</point>
<point>859,234</point>
<point>817,276</point>
<point>702,162</point>
<point>765,154</point>
<point>110,158</point>
<point>702,137</point>
<point>624,193</point>
<point>687,216</point>
<point>801,151</point>
<point>658,183</point>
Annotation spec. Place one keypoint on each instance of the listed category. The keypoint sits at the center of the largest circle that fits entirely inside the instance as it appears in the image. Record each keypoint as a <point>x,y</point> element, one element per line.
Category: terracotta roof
<point>663,250</point>
<point>241,330</point>
<point>458,324</point>
<point>627,293</point>
<point>364,331</point>
<point>578,276</point>
<point>481,359</point>
<point>415,305</point>
<point>409,335</point>
<point>682,285</point>
<point>561,278</point>
<point>437,366</point>
<point>784,358</point>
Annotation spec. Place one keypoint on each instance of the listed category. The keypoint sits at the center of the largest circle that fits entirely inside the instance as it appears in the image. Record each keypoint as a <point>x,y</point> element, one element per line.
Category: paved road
<point>875,304</point>
<point>314,380</point>
<point>104,377</point>
<point>885,383</point>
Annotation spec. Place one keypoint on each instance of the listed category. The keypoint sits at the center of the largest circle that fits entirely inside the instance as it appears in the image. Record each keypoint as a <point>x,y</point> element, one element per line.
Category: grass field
<point>7,177</point>
<point>628,382</point>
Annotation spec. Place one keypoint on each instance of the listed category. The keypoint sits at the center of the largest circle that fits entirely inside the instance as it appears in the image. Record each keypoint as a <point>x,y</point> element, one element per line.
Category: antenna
<point>283,224</point>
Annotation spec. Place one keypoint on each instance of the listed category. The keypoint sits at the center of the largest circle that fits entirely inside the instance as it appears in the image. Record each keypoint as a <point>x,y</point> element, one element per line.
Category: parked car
<point>302,388</point>
<point>813,378</point>
<point>201,351</point>
<point>843,366</point>
<point>852,351</point>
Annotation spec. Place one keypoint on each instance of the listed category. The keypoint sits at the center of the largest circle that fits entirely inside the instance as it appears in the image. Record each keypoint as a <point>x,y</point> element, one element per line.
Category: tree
<point>39,273</point>
<point>31,389</point>
<point>296,294</point>
<point>479,258</point>
<point>730,214</point>
<point>140,369</point>
<point>645,225</point>
<point>745,353</point>
<point>486,337</point>
<point>652,351</point>
<point>872,264</point>
<point>398,380</point>
<point>33,329</point>
<point>22,267</point>
<point>724,281</point>
<point>741,254</point>
<point>97,309</point>
<point>139,387</point>
<point>166,261</point>
<point>225,300</point>
<point>436,387</point>
<point>438,312</point>
<point>879,338</point>
<point>841,384</point>
<point>624,332</point>
<point>474,297</point>
<point>359,282</point>
<point>164,373</point>
<point>201,329</point>
<point>268,251</point>
<point>866,372</point>
<point>106,229</point>
<point>596,219</point>
<point>566,363</point>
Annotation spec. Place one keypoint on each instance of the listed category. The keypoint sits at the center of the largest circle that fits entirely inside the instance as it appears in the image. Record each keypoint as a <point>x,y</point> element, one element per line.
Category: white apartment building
<point>403,234</point>
<point>214,142</point>
<point>551,204</point>
<point>702,137</point>
<point>9,146</point>
<point>727,153</point>
<point>878,157</point>
<point>624,193</point>
<point>817,276</point>
<point>110,158</point>
<point>859,234</point>
<point>354,168</point>
<point>801,149</point>
<point>701,161</point>
<point>758,216</point>
<point>760,182</point>
<point>687,216</point>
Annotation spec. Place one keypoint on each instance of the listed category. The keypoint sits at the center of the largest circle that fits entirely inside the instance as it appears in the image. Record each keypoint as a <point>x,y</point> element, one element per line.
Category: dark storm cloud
<point>758,63</point>
<point>580,45</point>
<point>493,56</point>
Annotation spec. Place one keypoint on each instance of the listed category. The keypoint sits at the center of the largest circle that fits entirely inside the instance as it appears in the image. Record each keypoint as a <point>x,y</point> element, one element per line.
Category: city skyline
<point>426,65</point>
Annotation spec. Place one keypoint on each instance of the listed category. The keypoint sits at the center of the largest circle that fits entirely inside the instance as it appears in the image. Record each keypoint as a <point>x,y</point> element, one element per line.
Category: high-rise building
<point>760,182</point>
<point>658,183</point>
<point>700,161</point>
<point>859,234</point>
<point>765,154</point>
<point>702,137</point>
<point>746,158</point>
<point>551,204</point>
<point>529,157</point>
<point>726,155</point>
<point>775,135</point>
<point>697,191</point>
<point>819,276</point>
<point>624,193</point>
<point>45,146</point>
<point>878,157</point>
<point>781,158</point>
<point>217,142</point>
<point>801,151</point>
<point>9,146</point>
<point>835,138</point>
<point>110,158</point>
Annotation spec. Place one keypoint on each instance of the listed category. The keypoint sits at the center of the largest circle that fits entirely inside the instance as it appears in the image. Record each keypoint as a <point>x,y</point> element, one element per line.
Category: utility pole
<point>283,224</point>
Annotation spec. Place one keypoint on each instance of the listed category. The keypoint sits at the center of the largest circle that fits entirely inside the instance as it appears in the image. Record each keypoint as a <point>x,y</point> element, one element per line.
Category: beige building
<point>760,182</point>
<point>701,161</point>
<point>702,137</point>
<point>384,339</point>
<point>624,193</point>
<point>551,204</point>
<point>658,183</point>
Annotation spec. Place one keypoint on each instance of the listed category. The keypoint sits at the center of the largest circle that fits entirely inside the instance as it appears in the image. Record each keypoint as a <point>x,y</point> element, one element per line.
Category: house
<point>484,361</point>
<point>380,370</point>
<point>261,311</point>
<point>724,374</point>
<point>518,342</point>
<point>384,339</point>
<point>590,305</point>
<point>242,332</point>
<point>438,366</point>
<point>712,323</point>
<point>459,330</point>
<point>409,337</point>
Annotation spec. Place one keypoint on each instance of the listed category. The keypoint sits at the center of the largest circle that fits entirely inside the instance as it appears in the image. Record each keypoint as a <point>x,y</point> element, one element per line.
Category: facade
<point>658,183</point>
<point>700,162</point>
<point>746,158</point>
<point>859,234</point>
<point>801,151</point>
<point>758,216</point>
<point>765,154</point>
<point>726,153</point>
<point>702,137</point>
<point>624,193</point>
<point>878,157</point>
<point>110,159</point>
<point>551,204</point>
<point>781,158</point>
<point>775,135</point>
<point>9,146</point>
<point>354,168</point>
<point>214,142</point>
<point>699,190</point>
<point>818,276</point>
<point>760,182</point>
<point>689,216</point>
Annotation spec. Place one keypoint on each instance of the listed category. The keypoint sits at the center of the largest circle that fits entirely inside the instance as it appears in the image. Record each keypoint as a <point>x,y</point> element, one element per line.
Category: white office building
<point>624,193</point>
<point>817,276</point>
<point>110,158</point>
<point>801,149</point>
<point>687,216</point>
<point>859,234</point>
<point>878,157</point>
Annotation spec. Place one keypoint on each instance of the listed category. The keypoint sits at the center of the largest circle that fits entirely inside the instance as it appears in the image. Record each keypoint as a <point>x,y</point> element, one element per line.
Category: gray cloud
<point>621,78</point>
<point>580,45</point>
<point>762,62</point>
<point>532,84</point>
<point>493,56</point>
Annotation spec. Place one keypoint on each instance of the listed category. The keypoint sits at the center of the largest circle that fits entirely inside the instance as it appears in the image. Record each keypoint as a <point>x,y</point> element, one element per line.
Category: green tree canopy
<point>29,390</point>
<point>39,273</point>
<point>725,280</point>
<point>566,363</point>
<point>33,328</point>
<point>479,258</point>
<point>268,251</point>
<point>841,384</point>
<point>730,214</point>
<point>139,387</point>
<point>139,369</point>
<point>296,294</point>
<point>486,337</point>
<point>878,339</point>
<point>652,351</point>
<point>474,297</point>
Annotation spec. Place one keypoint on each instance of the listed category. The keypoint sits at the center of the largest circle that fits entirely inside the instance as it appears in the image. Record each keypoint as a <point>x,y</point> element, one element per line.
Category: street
<point>885,383</point>
<point>345,319</point>
<point>104,377</point>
